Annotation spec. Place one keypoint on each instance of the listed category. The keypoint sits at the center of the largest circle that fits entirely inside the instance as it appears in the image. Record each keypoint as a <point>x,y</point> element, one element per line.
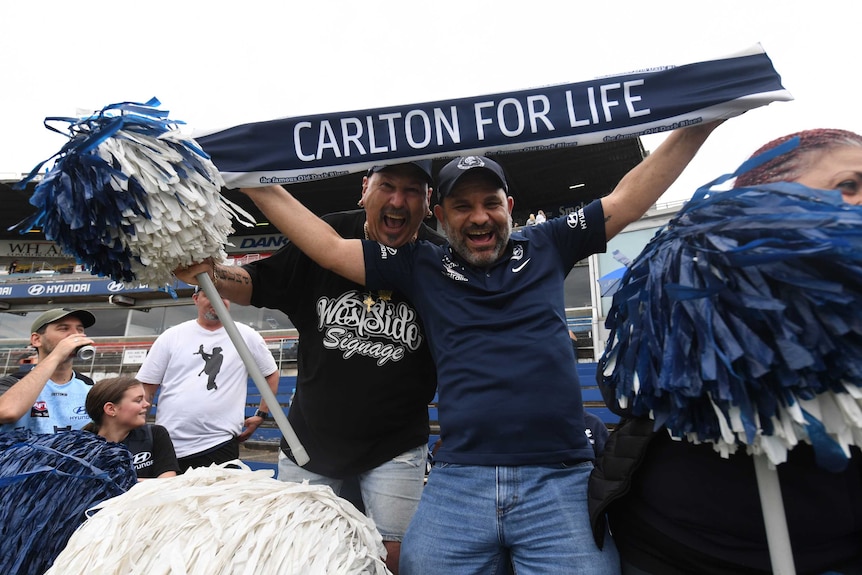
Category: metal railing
<point>124,358</point>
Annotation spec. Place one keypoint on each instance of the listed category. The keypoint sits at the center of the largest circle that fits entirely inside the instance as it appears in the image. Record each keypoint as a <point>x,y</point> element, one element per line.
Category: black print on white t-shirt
<point>212,365</point>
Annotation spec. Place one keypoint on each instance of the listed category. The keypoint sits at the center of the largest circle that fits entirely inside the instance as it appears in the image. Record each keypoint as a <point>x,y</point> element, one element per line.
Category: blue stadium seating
<point>269,432</point>
<point>592,396</point>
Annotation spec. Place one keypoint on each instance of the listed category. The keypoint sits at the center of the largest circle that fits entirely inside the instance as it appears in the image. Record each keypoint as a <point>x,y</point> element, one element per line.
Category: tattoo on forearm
<point>232,276</point>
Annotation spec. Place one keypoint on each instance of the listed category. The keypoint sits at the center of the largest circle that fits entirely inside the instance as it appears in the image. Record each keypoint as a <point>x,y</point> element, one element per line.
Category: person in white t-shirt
<point>203,383</point>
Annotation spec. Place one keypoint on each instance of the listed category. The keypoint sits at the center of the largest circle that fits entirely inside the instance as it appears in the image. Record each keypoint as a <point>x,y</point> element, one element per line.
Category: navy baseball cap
<point>452,172</point>
<point>424,165</point>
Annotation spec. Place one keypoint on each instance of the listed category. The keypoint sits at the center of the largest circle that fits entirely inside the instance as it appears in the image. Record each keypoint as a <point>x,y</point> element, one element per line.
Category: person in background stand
<point>365,374</point>
<point>203,393</point>
<point>118,408</point>
<point>50,397</point>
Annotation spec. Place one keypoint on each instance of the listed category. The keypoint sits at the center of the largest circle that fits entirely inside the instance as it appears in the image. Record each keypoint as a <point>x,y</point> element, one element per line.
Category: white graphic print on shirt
<point>348,324</point>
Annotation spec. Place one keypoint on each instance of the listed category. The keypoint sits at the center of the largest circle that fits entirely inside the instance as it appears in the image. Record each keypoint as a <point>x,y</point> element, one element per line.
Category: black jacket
<point>612,475</point>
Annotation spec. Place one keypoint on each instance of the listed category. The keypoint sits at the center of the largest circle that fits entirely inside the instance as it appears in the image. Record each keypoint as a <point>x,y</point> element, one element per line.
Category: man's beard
<point>211,316</point>
<point>484,258</point>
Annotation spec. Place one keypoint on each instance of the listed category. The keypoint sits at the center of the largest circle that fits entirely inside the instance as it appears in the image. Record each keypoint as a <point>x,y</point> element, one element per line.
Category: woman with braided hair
<point>827,159</point>
<point>676,507</point>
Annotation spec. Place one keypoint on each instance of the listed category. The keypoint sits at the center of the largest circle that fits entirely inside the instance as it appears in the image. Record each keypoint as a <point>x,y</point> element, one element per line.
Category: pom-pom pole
<point>299,453</point>
<point>134,199</point>
<point>772,506</point>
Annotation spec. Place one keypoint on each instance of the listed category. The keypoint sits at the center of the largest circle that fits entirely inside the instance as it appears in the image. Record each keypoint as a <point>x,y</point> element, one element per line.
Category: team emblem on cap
<point>468,162</point>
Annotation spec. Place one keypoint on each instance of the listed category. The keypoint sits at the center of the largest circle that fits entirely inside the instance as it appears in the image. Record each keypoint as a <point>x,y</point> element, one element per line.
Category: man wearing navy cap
<point>365,373</point>
<point>50,397</point>
<point>511,475</point>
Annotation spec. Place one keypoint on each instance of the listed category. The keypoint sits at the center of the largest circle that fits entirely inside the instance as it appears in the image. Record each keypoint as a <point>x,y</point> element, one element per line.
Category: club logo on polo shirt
<point>517,256</point>
<point>450,272</point>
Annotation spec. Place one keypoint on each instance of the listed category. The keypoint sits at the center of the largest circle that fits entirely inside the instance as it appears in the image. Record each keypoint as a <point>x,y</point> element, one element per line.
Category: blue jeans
<point>390,491</point>
<point>469,516</point>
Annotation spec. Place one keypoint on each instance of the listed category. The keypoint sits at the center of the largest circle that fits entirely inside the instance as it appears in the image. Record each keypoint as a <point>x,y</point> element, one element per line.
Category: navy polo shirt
<point>508,391</point>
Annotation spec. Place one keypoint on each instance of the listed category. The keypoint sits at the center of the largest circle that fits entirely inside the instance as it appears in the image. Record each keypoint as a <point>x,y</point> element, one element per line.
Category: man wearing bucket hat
<point>511,475</point>
<point>365,374</point>
<point>50,397</point>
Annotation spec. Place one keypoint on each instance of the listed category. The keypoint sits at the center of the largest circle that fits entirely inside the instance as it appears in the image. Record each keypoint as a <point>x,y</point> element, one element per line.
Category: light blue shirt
<point>59,407</point>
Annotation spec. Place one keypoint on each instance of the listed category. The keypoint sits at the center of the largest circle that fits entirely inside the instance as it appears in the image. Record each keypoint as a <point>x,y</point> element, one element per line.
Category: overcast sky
<point>217,64</point>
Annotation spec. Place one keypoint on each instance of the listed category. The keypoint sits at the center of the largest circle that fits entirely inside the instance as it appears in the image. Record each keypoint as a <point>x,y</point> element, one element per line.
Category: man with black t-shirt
<point>365,375</point>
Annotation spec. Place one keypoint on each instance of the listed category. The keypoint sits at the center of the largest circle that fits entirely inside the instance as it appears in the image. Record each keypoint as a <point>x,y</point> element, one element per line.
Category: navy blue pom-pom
<point>47,482</point>
<point>740,323</point>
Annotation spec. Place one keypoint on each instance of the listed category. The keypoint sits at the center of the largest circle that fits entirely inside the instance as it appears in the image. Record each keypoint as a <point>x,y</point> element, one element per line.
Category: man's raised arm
<point>645,183</point>
<point>310,234</point>
<point>232,282</point>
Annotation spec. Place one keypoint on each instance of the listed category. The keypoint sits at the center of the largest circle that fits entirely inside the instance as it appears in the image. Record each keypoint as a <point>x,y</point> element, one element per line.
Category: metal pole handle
<point>299,453</point>
<point>777,535</point>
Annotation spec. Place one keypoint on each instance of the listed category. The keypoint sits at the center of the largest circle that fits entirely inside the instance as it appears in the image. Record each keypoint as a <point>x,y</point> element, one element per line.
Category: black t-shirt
<point>152,451</point>
<point>691,508</point>
<point>365,374</point>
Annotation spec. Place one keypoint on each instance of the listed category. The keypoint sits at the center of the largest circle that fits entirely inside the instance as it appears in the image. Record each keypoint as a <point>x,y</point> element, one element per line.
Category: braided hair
<point>790,166</point>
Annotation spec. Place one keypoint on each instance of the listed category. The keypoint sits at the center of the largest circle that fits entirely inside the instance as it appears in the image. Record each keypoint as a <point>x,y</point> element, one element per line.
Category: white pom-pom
<point>220,521</point>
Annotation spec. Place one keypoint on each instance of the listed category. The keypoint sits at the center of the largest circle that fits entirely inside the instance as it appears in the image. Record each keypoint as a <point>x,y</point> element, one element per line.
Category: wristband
<point>263,414</point>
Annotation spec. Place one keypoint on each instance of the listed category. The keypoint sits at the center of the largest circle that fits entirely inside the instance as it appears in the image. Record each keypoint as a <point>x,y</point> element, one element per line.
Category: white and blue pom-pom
<point>131,197</point>
<point>740,324</point>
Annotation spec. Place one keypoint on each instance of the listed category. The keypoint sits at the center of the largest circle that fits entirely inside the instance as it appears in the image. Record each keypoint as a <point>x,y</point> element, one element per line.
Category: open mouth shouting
<point>481,239</point>
<point>393,223</point>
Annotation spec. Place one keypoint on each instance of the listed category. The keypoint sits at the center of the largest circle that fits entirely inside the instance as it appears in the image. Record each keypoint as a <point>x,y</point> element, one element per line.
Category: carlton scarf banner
<point>650,101</point>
